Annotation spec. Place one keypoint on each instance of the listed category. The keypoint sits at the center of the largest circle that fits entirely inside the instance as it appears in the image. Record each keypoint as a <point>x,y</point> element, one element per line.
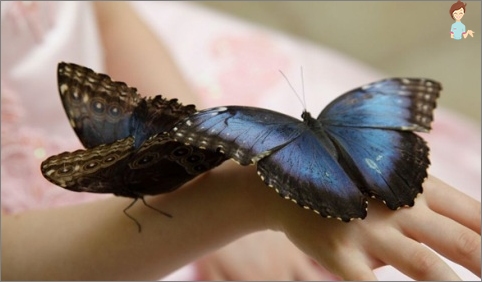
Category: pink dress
<point>227,61</point>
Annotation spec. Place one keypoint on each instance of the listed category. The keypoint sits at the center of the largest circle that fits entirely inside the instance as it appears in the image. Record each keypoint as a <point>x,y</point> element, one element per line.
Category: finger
<point>350,265</point>
<point>452,203</point>
<point>310,271</point>
<point>447,237</point>
<point>208,271</point>
<point>413,258</point>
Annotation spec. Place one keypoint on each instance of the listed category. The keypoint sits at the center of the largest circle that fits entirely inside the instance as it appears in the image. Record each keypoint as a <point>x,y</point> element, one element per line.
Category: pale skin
<point>97,241</point>
<point>458,15</point>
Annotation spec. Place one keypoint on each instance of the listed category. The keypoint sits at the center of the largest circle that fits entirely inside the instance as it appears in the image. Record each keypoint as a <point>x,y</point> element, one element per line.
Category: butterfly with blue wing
<point>362,144</point>
<point>128,152</point>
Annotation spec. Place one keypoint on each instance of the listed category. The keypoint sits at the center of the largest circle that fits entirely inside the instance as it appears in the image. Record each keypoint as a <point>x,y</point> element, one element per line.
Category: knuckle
<point>468,244</point>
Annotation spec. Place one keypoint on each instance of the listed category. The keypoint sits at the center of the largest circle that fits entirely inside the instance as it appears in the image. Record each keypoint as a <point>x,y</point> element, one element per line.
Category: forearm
<point>97,241</point>
<point>135,55</point>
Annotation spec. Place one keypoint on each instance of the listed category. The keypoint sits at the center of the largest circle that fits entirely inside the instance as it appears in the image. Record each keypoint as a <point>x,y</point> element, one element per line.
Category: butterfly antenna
<point>131,217</point>
<point>159,211</point>
<point>303,87</point>
<point>292,88</point>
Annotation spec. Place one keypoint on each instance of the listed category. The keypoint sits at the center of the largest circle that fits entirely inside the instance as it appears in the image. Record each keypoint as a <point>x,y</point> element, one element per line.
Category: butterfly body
<point>156,115</point>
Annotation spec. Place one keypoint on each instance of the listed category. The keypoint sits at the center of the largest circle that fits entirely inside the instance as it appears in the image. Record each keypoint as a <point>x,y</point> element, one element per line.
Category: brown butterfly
<point>128,151</point>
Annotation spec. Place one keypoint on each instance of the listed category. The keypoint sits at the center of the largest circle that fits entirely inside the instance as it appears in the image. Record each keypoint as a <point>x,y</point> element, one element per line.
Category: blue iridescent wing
<point>300,165</point>
<point>396,103</point>
<point>305,172</point>
<point>245,134</point>
<point>385,164</point>
<point>371,127</point>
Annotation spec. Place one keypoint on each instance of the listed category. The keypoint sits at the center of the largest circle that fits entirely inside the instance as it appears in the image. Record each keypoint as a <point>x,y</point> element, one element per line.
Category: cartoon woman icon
<point>457,11</point>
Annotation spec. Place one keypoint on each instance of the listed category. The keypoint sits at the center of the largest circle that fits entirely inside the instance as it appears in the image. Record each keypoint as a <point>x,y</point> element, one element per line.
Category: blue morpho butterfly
<point>127,152</point>
<point>362,144</point>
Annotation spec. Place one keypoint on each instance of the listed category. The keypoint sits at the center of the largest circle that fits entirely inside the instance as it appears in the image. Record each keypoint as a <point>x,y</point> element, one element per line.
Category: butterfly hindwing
<point>160,165</point>
<point>305,172</point>
<point>387,164</point>
<point>95,170</point>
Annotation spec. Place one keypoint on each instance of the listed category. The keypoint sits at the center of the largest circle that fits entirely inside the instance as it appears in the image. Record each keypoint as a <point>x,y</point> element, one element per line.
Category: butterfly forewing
<point>245,134</point>
<point>98,108</point>
<point>102,111</point>
<point>397,103</point>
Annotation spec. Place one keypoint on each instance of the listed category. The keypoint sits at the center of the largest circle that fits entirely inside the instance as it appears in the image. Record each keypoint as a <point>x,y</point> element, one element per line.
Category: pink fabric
<point>23,149</point>
<point>33,122</point>
<point>228,61</point>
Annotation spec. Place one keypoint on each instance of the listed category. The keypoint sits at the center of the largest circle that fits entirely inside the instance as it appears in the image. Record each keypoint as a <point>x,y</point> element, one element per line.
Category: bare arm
<point>469,32</point>
<point>135,56</point>
<point>96,241</point>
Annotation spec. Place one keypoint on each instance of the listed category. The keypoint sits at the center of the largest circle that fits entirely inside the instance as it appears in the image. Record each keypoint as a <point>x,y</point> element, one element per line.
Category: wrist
<point>222,201</point>
<point>260,205</point>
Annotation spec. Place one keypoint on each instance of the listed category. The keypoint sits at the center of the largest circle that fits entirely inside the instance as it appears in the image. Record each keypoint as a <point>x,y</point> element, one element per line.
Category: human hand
<point>443,218</point>
<point>263,255</point>
<point>470,32</point>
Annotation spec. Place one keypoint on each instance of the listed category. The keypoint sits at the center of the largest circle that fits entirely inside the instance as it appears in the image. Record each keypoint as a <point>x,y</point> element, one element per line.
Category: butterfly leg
<point>147,205</point>
<point>130,216</point>
<point>159,211</point>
